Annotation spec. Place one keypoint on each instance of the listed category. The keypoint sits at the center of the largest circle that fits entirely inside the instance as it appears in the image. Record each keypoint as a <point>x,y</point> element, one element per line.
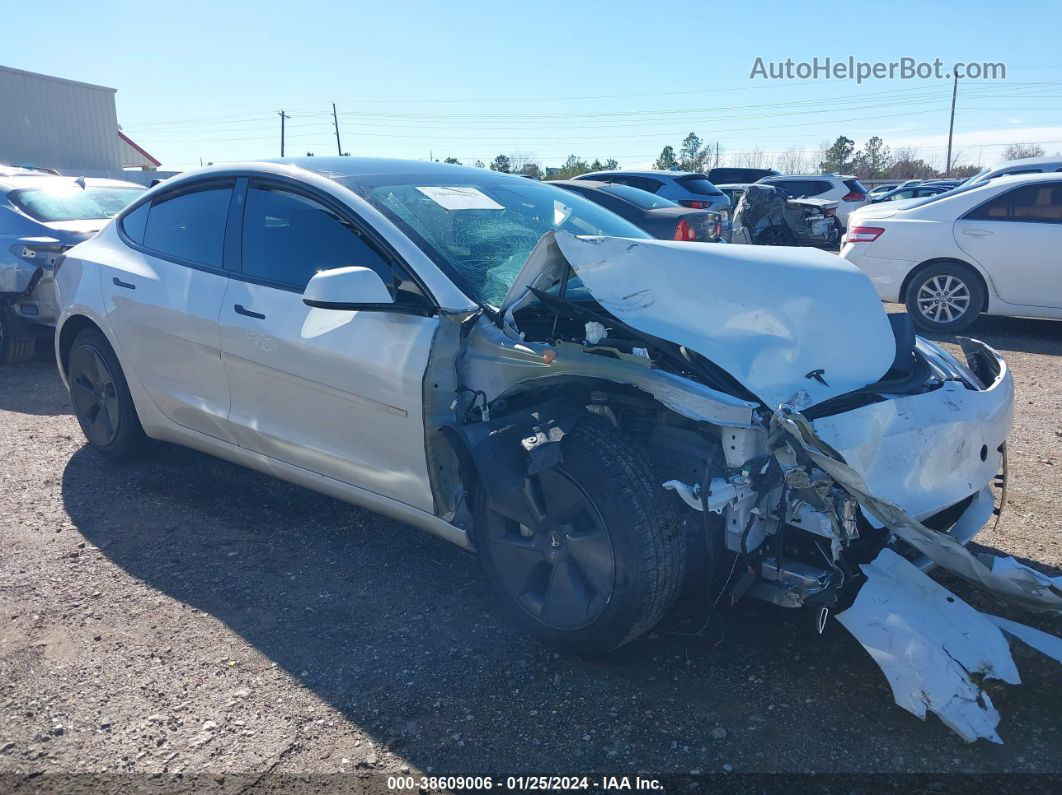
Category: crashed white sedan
<point>516,369</point>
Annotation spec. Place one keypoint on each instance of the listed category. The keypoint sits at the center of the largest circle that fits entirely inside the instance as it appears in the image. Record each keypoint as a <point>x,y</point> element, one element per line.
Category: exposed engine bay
<point>803,463</point>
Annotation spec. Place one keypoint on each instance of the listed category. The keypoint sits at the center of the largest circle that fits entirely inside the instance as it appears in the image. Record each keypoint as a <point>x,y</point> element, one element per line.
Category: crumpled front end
<point>931,452</point>
<point>826,455</point>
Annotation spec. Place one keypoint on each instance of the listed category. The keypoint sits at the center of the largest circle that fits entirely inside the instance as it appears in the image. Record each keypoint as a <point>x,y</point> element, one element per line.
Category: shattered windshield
<point>73,203</point>
<point>481,228</point>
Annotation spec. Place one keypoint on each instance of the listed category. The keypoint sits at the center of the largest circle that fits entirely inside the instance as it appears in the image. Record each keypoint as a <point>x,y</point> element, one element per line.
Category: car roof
<point>735,185</point>
<point>37,180</point>
<point>648,172</point>
<point>578,183</point>
<point>1016,179</point>
<point>339,167</point>
<point>806,176</point>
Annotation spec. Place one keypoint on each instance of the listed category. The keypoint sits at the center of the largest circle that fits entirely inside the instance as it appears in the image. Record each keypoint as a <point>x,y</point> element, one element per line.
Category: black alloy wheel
<point>561,567</point>
<point>95,396</point>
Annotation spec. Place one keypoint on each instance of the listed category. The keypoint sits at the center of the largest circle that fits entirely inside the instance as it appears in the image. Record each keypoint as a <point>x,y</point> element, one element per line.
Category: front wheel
<point>587,556</point>
<point>944,297</point>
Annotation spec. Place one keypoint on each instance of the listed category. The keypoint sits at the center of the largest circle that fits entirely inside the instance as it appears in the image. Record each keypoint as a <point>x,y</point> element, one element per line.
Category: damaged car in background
<point>41,216</point>
<point>768,215</point>
<point>594,412</point>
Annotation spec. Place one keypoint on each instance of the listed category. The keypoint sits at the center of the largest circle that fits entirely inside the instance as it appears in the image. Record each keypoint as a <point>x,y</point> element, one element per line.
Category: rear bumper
<point>887,275</point>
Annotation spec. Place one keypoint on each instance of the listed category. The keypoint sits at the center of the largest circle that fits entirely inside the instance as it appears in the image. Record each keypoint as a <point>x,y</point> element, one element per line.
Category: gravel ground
<point>186,615</point>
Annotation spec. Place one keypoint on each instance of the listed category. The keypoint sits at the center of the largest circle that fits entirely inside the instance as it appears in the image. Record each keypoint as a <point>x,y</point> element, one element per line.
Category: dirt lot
<point>186,615</point>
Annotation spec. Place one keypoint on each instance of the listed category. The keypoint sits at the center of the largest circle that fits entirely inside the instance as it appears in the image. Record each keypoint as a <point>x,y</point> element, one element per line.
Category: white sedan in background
<point>996,248</point>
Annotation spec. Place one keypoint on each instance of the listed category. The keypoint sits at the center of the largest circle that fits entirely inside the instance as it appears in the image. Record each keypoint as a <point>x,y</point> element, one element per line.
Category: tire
<point>777,235</point>
<point>100,395</point>
<point>945,297</point>
<point>17,340</point>
<point>606,560</point>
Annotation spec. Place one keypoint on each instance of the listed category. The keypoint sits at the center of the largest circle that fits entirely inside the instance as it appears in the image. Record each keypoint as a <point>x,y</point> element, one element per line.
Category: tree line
<point>874,160</point>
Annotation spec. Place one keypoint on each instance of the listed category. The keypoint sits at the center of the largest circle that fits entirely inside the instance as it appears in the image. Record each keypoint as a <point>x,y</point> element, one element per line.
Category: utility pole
<point>283,116</point>
<point>951,124</point>
<point>335,121</point>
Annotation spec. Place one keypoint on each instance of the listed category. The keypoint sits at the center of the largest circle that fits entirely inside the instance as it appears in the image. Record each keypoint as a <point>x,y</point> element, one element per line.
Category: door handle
<point>119,283</point>
<point>241,310</point>
<point>976,232</point>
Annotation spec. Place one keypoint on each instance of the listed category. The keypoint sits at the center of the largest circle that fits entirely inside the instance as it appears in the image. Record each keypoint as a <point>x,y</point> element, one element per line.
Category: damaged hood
<point>772,317</point>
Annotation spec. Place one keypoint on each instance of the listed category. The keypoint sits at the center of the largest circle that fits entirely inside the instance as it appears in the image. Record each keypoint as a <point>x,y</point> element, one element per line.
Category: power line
<point>310,111</point>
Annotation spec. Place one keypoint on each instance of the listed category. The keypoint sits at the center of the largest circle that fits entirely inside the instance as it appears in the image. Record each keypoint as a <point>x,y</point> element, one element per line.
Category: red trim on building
<point>138,148</point>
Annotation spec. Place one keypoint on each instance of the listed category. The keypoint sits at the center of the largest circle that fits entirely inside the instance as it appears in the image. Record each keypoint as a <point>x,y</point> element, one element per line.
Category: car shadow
<point>34,387</point>
<point>400,633</point>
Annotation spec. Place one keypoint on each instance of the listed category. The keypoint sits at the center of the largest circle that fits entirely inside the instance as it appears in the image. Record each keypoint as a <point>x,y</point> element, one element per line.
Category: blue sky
<point>599,79</point>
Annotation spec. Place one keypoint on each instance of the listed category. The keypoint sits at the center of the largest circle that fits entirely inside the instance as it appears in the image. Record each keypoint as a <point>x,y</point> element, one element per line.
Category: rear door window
<point>1038,203</point>
<point>190,225</point>
<point>997,209</point>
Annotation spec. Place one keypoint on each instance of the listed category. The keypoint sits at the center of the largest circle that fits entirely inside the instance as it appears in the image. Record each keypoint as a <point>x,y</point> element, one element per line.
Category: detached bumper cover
<point>930,451</point>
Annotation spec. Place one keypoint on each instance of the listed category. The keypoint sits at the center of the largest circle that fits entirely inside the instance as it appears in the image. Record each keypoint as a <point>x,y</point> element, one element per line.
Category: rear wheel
<point>100,394</point>
<point>945,297</point>
<point>17,340</point>
<point>587,555</point>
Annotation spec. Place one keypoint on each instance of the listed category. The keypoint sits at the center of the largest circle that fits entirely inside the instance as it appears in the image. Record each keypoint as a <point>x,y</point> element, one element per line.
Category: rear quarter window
<point>134,223</point>
<point>642,183</point>
<point>699,185</point>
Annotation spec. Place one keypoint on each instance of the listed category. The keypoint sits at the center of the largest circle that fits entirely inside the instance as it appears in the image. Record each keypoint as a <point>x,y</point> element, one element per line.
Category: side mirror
<point>349,288</point>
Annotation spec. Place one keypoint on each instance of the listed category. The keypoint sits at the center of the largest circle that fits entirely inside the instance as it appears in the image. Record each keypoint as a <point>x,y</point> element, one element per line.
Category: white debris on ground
<point>929,643</point>
<point>1044,643</point>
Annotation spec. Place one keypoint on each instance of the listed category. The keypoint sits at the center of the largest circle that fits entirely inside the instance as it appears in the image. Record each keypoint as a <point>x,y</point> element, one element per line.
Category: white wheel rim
<point>943,299</point>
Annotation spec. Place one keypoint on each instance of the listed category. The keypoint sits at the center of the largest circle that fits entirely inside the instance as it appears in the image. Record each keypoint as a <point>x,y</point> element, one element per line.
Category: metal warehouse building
<point>72,127</point>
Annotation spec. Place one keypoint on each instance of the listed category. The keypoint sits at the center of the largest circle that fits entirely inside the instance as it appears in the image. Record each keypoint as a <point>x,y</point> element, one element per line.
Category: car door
<point>162,294</point>
<point>1017,238</point>
<point>335,392</point>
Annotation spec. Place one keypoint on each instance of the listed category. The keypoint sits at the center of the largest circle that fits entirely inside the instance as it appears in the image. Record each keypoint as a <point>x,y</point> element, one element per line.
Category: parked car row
<point>660,217</point>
